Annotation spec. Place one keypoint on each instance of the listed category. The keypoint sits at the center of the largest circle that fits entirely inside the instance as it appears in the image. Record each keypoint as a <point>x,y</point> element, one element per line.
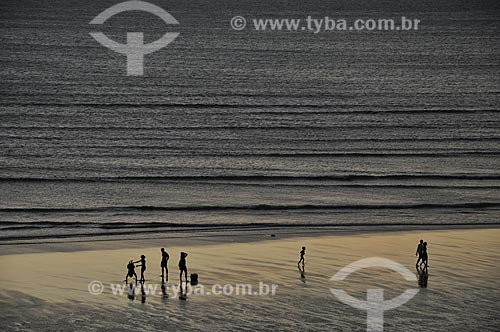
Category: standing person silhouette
<point>143,267</point>
<point>419,251</point>
<point>425,256</point>
<point>131,272</point>
<point>183,267</point>
<point>164,261</point>
<point>302,253</point>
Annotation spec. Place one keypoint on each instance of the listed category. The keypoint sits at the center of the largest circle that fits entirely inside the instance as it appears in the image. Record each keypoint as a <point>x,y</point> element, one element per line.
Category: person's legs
<point>418,260</point>
<point>424,260</point>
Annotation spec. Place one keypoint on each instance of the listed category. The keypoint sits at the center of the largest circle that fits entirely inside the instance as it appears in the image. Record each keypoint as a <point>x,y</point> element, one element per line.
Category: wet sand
<point>48,290</point>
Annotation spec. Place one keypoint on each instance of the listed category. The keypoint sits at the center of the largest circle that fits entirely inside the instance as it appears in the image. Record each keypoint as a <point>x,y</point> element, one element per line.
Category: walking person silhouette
<point>419,252</point>
<point>425,256</point>
<point>302,253</point>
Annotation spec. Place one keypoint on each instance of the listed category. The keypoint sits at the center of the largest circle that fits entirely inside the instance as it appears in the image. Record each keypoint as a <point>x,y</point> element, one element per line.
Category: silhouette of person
<point>131,272</point>
<point>302,253</point>
<point>143,267</point>
<point>164,261</point>
<point>425,256</point>
<point>182,266</point>
<point>419,252</point>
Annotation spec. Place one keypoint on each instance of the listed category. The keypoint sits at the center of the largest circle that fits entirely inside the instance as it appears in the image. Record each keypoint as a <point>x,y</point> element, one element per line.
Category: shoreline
<point>198,238</point>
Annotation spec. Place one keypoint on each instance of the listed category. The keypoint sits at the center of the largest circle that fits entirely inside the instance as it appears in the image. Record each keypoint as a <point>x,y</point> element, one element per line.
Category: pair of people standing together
<point>131,269</point>
<point>423,257</point>
<point>164,267</point>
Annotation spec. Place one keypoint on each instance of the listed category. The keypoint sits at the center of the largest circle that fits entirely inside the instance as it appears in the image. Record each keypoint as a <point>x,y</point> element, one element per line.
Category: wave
<point>263,178</point>
<point>217,105</point>
<point>154,228</point>
<point>147,151</point>
<point>15,225</point>
<point>288,139</point>
<point>282,126</point>
<point>328,108</point>
<point>259,207</point>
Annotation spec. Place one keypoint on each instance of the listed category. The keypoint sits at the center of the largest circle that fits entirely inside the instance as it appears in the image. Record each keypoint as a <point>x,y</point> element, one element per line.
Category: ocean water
<point>242,129</point>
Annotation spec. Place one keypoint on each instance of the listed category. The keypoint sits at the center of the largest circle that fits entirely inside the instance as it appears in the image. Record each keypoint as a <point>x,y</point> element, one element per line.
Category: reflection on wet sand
<point>131,292</point>
<point>164,286</point>
<point>423,276</point>
<point>182,292</point>
<point>302,270</point>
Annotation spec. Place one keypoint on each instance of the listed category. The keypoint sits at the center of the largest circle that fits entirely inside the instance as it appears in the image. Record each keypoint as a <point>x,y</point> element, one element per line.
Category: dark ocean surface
<point>240,129</point>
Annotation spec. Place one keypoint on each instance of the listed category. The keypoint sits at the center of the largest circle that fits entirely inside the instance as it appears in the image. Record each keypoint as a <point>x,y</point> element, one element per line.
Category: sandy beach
<point>48,290</point>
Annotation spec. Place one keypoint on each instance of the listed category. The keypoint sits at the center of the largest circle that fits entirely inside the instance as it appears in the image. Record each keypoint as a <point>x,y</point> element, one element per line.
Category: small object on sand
<point>194,279</point>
